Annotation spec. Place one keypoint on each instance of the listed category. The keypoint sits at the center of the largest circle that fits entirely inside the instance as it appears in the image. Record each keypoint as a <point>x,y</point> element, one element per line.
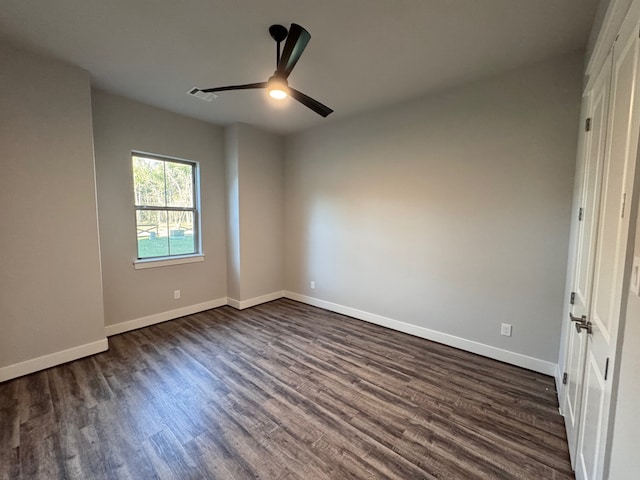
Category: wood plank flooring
<point>280,391</point>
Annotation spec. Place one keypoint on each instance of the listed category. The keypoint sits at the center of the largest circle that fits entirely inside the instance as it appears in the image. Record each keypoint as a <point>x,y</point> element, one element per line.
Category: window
<point>166,201</point>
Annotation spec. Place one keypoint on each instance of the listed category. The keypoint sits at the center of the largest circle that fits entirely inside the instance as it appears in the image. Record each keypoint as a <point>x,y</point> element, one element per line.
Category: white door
<point>589,208</point>
<point>611,243</point>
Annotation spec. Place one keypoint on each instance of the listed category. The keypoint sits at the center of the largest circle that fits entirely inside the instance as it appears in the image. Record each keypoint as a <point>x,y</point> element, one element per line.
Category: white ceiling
<point>363,54</point>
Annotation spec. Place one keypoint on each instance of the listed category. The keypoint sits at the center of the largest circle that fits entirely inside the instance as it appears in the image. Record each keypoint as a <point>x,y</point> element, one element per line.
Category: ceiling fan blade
<point>247,86</point>
<point>297,40</point>
<point>309,102</point>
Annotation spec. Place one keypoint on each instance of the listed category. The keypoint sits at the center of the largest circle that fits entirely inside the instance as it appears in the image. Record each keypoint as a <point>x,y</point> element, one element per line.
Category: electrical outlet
<point>176,294</point>
<point>312,284</point>
<point>505,330</point>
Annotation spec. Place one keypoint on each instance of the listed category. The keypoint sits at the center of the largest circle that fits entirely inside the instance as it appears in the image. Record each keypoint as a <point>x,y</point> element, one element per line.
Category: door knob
<point>581,319</point>
<point>581,323</point>
<point>584,326</point>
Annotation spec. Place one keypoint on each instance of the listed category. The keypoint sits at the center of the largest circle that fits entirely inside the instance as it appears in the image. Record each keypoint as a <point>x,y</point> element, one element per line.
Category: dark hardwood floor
<point>280,391</point>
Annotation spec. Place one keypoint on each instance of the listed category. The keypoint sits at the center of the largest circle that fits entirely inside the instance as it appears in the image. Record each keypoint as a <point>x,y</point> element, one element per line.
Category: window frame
<point>166,260</point>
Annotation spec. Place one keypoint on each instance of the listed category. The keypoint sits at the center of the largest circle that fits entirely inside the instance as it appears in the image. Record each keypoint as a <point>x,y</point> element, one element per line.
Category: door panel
<point>598,106</point>
<point>591,191</point>
<point>593,409</point>
<point>573,395</point>
<point>606,287</point>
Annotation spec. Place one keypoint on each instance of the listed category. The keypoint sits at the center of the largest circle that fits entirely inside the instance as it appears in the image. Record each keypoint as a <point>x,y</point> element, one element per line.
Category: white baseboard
<point>51,360</point>
<point>57,358</point>
<point>129,325</point>
<point>252,302</point>
<point>506,356</point>
<point>233,302</point>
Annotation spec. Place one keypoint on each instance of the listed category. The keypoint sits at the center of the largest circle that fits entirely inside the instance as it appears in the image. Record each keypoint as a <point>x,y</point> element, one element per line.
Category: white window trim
<point>167,261</point>
<point>153,262</point>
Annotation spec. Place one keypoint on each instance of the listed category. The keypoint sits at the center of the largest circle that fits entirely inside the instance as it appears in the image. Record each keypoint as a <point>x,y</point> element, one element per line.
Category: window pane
<point>163,188</point>
<point>149,182</point>
<point>179,177</point>
<point>181,234</point>
<point>153,233</point>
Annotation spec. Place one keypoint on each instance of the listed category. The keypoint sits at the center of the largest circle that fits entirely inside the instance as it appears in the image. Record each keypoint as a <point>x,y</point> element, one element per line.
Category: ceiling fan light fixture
<point>277,88</point>
<point>278,94</point>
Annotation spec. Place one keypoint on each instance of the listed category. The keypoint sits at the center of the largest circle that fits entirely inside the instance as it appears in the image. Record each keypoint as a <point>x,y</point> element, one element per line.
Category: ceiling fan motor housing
<point>278,32</point>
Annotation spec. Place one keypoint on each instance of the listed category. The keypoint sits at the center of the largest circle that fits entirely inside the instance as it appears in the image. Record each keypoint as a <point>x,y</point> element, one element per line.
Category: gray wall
<point>255,212</point>
<point>120,126</point>
<point>261,212</point>
<point>233,211</point>
<point>603,6</point>
<point>450,213</point>
<point>51,296</point>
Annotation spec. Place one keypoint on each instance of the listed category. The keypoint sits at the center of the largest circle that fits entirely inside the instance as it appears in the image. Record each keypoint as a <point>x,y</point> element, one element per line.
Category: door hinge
<point>624,204</point>
<point>587,125</point>
<point>580,214</point>
<point>565,378</point>
<point>606,369</point>
<point>572,300</point>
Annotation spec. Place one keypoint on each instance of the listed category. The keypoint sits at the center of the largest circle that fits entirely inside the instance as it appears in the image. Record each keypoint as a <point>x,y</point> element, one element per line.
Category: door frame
<point>615,20</point>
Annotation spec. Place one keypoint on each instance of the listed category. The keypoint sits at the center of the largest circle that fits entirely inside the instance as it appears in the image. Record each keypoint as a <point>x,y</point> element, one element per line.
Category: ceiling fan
<point>277,85</point>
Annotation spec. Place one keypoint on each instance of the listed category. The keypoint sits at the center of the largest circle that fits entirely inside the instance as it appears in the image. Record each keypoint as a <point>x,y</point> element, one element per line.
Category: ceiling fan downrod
<point>278,33</point>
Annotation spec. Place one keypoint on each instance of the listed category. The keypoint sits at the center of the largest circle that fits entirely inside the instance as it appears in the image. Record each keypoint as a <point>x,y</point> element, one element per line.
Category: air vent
<point>196,92</point>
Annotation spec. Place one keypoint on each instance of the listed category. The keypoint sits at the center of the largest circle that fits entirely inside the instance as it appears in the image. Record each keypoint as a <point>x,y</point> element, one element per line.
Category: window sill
<point>166,262</point>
